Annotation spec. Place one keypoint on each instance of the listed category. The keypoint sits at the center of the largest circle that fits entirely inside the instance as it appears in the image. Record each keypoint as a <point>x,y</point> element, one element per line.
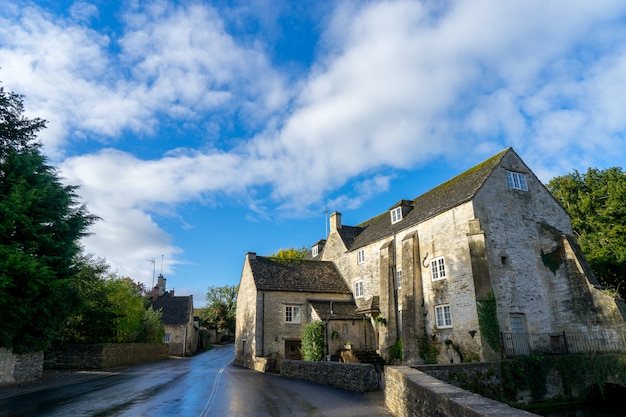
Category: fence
<point>517,344</point>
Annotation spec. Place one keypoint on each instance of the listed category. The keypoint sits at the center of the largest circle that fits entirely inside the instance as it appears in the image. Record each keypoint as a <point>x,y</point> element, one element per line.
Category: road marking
<point>207,407</point>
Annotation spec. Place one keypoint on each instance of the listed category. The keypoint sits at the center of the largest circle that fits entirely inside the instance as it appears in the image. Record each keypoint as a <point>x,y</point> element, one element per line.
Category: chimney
<point>250,255</point>
<point>172,291</point>
<point>161,284</point>
<point>155,292</point>
<point>335,221</point>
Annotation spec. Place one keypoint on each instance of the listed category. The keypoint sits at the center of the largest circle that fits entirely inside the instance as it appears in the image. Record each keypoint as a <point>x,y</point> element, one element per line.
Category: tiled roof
<point>341,310</point>
<point>297,275</point>
<point>450,194</point>
<point>175,309</point>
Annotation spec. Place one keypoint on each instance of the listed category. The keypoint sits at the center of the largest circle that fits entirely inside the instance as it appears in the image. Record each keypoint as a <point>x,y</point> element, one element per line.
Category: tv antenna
<point>153,270</point>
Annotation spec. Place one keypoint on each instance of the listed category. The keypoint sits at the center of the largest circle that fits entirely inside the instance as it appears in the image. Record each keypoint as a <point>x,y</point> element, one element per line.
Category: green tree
<point>596,203</point>
<point>313,341</point>
<point>291,253</point>
<point>112,309</point>
<point>221,308</point>
<point>41,222</point>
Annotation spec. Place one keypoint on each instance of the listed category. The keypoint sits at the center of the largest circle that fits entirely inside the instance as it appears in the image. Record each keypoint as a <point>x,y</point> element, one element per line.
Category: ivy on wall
<point>488,321</point>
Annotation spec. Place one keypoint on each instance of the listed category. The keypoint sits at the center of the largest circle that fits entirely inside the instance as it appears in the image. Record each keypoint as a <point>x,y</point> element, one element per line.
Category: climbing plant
<point>488,321</point>
<point>313,341</point>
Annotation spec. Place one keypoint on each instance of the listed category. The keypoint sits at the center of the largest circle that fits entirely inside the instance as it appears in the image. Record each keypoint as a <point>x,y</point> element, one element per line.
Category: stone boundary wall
<point>359,377</point>
<point>19,367</point>
<point>103,356</point>
<point>410,392</point>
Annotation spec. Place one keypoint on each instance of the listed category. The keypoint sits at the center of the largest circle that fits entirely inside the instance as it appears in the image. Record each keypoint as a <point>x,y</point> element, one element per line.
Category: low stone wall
<point>409,392</point>
<point>359,377</point>
<point>19,367</point>
<point>103,356</point>
<point>484,378</point>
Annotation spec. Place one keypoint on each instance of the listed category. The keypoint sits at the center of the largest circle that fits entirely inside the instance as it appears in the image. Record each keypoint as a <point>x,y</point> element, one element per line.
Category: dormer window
<point>396,215</point>
<point>516,180</point>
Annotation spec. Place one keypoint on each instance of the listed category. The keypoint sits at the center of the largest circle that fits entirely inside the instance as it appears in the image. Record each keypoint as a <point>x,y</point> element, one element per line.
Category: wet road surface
<point>203,385</point>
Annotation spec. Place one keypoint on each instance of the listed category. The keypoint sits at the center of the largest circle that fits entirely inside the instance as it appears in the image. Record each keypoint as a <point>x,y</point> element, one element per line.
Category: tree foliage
<point>111,309</point>
<point>41,222</point>
<point>221,308</point>
<point>596,203</point>
<point>290,254</point>
<point>313,341</point>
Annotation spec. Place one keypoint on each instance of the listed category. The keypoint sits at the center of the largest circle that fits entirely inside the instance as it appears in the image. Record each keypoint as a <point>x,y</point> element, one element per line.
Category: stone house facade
<point>181,326</point>
<point>276,299</point>
<point>485,258</point>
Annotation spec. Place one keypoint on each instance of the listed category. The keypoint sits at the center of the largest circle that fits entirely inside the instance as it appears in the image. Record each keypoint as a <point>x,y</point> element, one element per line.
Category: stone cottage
<point>480,267</point>
<point>278,297</point>
<point>181,327</point>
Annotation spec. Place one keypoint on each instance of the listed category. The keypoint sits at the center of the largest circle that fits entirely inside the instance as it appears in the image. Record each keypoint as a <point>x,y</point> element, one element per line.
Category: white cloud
<point>397,84</point>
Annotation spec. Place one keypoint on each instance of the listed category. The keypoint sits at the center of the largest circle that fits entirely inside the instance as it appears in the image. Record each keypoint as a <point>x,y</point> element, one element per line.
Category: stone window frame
<point>360,256</point>
<point>167,337</point>
<point>443,316</point>
<point>438,268</point>
<point>315,251</point>
<point>399,279</point>
<point>396,215</point>
<point>516,180</point>
<point>293,314</point>
<point>359,289</point>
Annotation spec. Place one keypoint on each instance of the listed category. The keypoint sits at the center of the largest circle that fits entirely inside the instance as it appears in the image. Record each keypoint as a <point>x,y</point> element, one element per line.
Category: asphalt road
<point>204,385</point>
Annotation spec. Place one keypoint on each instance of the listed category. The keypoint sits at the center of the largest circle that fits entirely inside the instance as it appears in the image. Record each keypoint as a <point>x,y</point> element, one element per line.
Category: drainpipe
<point>185,341</point>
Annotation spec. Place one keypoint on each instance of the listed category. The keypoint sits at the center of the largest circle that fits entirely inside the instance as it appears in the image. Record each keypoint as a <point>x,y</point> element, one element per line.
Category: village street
<point>203,385</point>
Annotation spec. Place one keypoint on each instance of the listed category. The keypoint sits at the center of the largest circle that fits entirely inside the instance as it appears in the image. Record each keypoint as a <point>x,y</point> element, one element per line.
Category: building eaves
<point>271,274</point>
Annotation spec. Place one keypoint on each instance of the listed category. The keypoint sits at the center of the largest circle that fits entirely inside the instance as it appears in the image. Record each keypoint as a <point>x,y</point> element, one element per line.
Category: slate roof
<point>446,196</point>
<point>175,309</point>
<point>342,310</point>
<point>271,274</point>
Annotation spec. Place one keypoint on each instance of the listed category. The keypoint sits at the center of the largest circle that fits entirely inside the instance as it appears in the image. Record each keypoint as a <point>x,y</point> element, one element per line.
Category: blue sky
<point>200,131</point>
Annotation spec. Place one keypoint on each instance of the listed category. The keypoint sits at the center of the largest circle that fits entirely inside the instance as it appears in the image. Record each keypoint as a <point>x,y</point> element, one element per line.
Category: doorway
<point>292,349</point>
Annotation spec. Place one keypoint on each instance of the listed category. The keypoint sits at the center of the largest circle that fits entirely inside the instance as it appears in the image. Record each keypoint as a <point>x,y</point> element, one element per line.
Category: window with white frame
<point>396,215</point>
<point>293,314</point>
<point>358,289</point>
<point>167,337</point>
<point>399,279</point>
<point>360,256</point>
<point>516,180</point>
<point>442,315</point>
<point>315,251</point>
<point>438,268</point>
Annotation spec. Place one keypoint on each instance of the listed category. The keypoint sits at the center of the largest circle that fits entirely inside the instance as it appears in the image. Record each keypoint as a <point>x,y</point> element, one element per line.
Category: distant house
<point>481,267</point>
<point>181,327</point>
<point>277,298</point>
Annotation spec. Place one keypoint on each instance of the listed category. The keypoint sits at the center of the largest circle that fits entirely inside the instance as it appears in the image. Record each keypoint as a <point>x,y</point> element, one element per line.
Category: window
<point>442,315</point>
<point>358,289</point>
<point>360,256</point>
<point>438,268</point>
<point>516,180</point>
<point>344,328</point>
<point>293,314</point>
<point>399,279</point>
<point>396,215</point>
<point>166,337</point>
<point>315,251</point>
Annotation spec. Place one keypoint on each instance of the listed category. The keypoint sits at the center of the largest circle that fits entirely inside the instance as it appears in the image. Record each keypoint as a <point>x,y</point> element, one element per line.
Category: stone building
<point>482,266</point>
<point>277,298</point>
<point>181,326</point>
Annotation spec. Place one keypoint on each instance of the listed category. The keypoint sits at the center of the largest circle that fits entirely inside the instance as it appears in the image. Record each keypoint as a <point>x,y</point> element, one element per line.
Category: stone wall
<point>409,392</point>
<point>19,367</point>
<point>357,377</point>
<point>103,356</point>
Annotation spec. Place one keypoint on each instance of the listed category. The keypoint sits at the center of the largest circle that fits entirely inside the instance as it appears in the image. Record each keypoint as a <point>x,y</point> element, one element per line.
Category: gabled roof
<point>175,309</point>
<point>450,194</point>
<point>271,274</point>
